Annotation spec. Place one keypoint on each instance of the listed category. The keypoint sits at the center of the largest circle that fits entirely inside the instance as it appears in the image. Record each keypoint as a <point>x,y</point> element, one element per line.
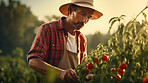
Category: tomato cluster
<point>91,66</point>
<point>121,68</point>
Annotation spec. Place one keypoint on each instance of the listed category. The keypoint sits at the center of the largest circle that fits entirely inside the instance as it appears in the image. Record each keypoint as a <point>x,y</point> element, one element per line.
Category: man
<point>60,44</point>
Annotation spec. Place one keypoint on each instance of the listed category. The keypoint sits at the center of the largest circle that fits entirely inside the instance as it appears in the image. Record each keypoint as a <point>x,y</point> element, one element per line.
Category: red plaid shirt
<point>48,44</point>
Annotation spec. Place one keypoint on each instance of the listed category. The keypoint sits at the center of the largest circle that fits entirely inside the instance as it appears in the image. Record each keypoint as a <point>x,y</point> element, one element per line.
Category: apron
<point>68,60</point>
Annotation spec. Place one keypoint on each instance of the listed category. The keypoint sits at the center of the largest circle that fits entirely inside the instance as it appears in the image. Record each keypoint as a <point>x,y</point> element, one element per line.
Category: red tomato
<point>90,66</point>
<point>122,66</point>
<point>95,73</point>
<point>145,80</point>
<point>104,58</point>
<point>112,77</point>
<point>112,70</point>
<point>86,70</point>
<point>119,77</point>
<point>96,60</point>
<point>105,77</point>
<point>121,71</point>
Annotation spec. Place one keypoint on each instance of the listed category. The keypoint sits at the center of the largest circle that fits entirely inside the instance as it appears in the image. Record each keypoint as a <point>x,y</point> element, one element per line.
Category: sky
<point>109,8</point>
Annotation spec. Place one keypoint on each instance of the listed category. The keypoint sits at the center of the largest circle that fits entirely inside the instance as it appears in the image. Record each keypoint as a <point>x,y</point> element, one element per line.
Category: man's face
<point>80,16</point>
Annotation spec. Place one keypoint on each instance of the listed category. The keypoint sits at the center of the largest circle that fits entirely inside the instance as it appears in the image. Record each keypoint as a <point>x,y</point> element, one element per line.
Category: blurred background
<point>19,20</point>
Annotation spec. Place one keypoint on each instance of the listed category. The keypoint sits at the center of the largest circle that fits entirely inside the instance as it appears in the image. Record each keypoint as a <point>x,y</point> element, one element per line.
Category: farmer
<point>60,44</point>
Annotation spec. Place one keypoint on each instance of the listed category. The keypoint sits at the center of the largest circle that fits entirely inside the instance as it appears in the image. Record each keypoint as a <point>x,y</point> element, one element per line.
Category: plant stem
<point>140,13</point>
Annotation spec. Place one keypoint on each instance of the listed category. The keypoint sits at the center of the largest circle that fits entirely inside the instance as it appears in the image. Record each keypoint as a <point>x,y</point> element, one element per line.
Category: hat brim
<point>96,14</point>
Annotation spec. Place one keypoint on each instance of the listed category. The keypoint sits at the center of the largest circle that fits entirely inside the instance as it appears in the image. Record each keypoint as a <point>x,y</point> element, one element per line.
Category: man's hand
<point>88,77</point>
<point>41,66</point>
<point>69,76</point>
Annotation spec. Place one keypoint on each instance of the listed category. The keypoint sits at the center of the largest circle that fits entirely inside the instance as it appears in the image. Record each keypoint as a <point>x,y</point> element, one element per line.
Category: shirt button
<point>53,45</point>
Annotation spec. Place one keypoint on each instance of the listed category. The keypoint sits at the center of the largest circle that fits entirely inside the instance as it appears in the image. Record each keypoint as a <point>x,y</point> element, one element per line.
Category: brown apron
<point>68,60</point>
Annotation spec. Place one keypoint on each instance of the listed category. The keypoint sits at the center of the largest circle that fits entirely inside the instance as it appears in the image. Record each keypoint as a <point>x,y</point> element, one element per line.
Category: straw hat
<point>83,3</point>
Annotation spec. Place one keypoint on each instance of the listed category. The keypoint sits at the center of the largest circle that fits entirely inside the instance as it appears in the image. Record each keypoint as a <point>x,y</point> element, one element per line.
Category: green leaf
<point>111,25</point>
<point>145,16</point>
<point>114,18</point>
<point>122,16</point>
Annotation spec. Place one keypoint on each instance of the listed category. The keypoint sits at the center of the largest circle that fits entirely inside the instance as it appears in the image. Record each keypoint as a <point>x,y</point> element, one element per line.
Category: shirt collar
<point>60,21</point>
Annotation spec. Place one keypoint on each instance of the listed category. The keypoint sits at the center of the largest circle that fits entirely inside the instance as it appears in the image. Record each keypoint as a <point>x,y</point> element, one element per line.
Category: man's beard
<point>77,25</point>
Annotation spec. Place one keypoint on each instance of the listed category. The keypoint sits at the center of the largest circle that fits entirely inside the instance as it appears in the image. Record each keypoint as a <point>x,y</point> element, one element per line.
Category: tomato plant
<point>125,56</point>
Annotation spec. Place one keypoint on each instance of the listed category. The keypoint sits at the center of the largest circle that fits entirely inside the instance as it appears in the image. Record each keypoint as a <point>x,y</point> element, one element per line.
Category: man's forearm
<point>42,67</point>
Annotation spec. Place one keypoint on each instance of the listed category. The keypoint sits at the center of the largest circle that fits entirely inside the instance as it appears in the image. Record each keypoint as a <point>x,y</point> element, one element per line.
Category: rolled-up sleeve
<point>40,44</point>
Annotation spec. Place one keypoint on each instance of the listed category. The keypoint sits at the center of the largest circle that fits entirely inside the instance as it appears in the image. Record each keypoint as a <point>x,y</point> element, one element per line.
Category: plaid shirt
<point>48,44</point>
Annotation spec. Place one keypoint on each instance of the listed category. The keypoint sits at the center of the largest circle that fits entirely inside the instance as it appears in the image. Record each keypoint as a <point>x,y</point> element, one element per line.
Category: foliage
<point>17,24</point>
<point>13,68</point>
<point>129,45</point>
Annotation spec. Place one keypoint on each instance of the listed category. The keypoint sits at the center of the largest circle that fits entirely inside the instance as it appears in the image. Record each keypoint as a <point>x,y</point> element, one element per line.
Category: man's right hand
<point>69,76</point>
<point>41,66</point>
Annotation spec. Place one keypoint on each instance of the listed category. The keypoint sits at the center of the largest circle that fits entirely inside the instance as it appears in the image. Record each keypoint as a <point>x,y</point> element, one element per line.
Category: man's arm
<point>41,66</point>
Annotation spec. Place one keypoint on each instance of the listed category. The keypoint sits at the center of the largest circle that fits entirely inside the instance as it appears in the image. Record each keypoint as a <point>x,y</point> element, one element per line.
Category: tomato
<point>86,70</point>
<point>104,58</point>
<point>90,66</point>
<point>119,77</point>
<point>122,66</point>
<point>95,73</point>
<point>105,77</point>
<point>112,70</point>
<point>96,60</point>
<point>121,71</point>
<point>145,80</point>
<point>112,77</point>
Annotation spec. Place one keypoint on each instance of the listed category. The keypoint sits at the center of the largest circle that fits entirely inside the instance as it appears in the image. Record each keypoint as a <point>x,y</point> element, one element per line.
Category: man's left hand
<point>88,77</point>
